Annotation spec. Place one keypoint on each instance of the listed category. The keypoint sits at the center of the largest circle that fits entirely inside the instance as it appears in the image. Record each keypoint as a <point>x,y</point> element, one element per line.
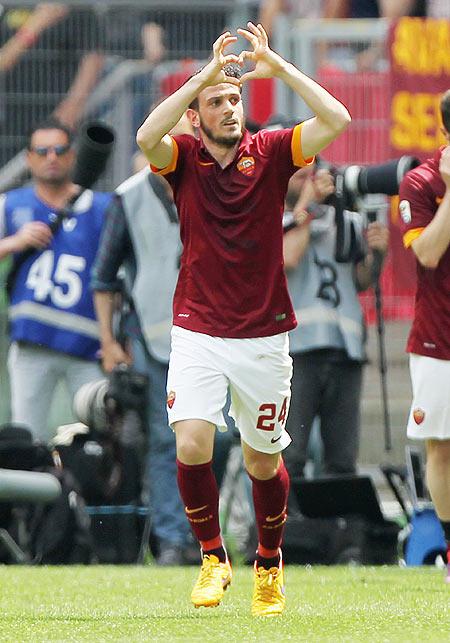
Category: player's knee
<point>262,468</point>
<point>192,453</point>
<point>193,447</point>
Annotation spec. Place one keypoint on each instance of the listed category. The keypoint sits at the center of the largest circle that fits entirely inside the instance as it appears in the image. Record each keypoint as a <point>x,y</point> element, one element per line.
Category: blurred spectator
<point>142,236</point>
<point>327,347</point>
<point>51,52</point>
<point>33,25</point>
<point>53,329</point>
<point>52,56</point>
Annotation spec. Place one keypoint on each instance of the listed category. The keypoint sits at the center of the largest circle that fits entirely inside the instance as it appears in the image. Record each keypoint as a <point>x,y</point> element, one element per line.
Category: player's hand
<point>267,62</point>
<point>112,354</point>
<point>444,166</point>
<point>213,73</point>
<point>34,234</point>
<point>377,237</point>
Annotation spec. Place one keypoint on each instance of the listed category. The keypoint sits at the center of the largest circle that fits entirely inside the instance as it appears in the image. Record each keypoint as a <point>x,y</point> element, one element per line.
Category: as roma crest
<point>171,399</point>
<point>246,165</point>
<point>418,416</point>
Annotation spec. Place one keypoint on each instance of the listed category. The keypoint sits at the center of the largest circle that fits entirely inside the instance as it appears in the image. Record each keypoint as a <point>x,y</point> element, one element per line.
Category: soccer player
<point>231,306</point>
<point>425,213</point>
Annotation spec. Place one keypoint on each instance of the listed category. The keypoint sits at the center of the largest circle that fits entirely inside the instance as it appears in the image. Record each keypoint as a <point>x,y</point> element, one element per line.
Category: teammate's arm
<point>152,137</point>
<point>431,244</point>
<point>331,116</point>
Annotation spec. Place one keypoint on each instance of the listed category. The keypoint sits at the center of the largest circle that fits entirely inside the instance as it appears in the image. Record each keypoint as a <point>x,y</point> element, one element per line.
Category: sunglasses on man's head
<point>43,150</point>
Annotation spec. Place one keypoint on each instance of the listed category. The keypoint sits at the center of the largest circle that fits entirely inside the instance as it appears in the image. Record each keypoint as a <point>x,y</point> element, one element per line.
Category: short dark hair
<point>51,123</point>
<point>445,110</point>
<point>232,70</point>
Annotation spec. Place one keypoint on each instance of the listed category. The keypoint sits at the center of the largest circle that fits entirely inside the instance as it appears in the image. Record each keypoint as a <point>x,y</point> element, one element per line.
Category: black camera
<point>359,180</point>
<point>101,403</point>
<point>353,182</point>
<point>95,144</point>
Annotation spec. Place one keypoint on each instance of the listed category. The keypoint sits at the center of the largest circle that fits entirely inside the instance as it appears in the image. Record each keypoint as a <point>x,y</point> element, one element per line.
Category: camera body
<point>102,403</point>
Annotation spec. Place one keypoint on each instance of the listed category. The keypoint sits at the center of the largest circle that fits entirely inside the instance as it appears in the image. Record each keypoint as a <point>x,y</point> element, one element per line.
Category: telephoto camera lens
<point>378,179</point>
<point>96,141</point>
<point>89,405</point>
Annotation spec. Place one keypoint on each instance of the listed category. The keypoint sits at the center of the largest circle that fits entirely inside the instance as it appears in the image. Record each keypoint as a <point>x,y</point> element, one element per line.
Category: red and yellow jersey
<point>421,192</point>
<point>232,281</point>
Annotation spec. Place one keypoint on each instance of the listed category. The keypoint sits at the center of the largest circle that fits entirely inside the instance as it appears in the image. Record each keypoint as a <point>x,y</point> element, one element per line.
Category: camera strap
<point>343,239</point>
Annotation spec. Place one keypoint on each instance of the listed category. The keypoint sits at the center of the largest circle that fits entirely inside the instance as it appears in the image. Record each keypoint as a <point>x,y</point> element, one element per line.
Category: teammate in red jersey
<point>425,213</point>
<point>231,307</point>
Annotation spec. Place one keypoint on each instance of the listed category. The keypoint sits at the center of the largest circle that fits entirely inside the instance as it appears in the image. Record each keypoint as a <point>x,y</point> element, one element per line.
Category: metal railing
<point>335,52</point>
<point>118,101</point>
<point>105,42</point>
<point>304,41</point>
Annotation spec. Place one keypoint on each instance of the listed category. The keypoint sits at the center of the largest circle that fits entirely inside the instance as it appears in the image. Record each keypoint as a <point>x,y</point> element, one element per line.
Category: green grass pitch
<point>377,604</point>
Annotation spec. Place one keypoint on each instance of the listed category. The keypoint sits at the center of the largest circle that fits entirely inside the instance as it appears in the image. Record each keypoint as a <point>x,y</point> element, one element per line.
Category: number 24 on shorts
<point>268,413</point>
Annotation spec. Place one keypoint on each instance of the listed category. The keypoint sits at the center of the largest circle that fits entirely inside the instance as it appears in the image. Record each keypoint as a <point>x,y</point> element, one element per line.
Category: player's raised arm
<point>152,136</point>
<point>331,116</point>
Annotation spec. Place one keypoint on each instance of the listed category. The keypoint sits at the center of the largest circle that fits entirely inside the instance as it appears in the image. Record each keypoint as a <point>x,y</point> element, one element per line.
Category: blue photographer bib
<point>50,301</point>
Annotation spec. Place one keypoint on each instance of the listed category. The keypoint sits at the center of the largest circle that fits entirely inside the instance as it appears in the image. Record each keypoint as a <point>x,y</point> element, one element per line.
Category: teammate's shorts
<point>429,417</point>
<point>257,371</point>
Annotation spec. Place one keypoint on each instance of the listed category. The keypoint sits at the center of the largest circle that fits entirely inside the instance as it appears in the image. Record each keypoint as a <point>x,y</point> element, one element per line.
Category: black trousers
<point>325,384</point>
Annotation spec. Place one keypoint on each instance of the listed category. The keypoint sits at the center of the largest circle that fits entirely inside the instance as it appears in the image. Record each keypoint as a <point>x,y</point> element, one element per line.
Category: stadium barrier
<point>97,60</point>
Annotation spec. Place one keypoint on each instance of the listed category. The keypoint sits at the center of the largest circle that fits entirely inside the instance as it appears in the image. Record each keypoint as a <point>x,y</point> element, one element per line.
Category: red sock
<point>198,490</point>
<point>270,499</point>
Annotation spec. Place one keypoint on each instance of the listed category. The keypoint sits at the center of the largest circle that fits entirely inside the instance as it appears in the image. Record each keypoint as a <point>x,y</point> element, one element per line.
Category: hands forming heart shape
<point>267,62</point>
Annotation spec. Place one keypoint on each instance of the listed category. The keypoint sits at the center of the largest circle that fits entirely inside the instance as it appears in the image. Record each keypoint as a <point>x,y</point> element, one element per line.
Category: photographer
<point>327,347</point>
<point>54,335</point>
<point>141,237</point>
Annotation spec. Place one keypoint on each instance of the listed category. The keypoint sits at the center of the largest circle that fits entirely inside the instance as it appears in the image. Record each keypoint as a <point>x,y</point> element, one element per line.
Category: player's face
<point>221,114</point>
<point>50,157</point>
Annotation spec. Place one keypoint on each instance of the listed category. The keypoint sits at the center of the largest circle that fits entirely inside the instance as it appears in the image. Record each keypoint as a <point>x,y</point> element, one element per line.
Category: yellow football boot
<point>213,580</point>
<point>268,593</point>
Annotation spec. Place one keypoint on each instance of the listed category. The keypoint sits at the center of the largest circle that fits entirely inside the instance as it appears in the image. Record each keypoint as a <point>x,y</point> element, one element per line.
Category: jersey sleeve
<point>180,149</point>
<point>286,146</point>
<point>416,207</point>
<point>298,158</point>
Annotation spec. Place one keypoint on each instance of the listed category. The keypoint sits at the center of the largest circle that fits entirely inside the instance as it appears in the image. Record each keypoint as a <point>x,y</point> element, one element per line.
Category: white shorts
<point>429,417</point>
<point>257,371</point>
